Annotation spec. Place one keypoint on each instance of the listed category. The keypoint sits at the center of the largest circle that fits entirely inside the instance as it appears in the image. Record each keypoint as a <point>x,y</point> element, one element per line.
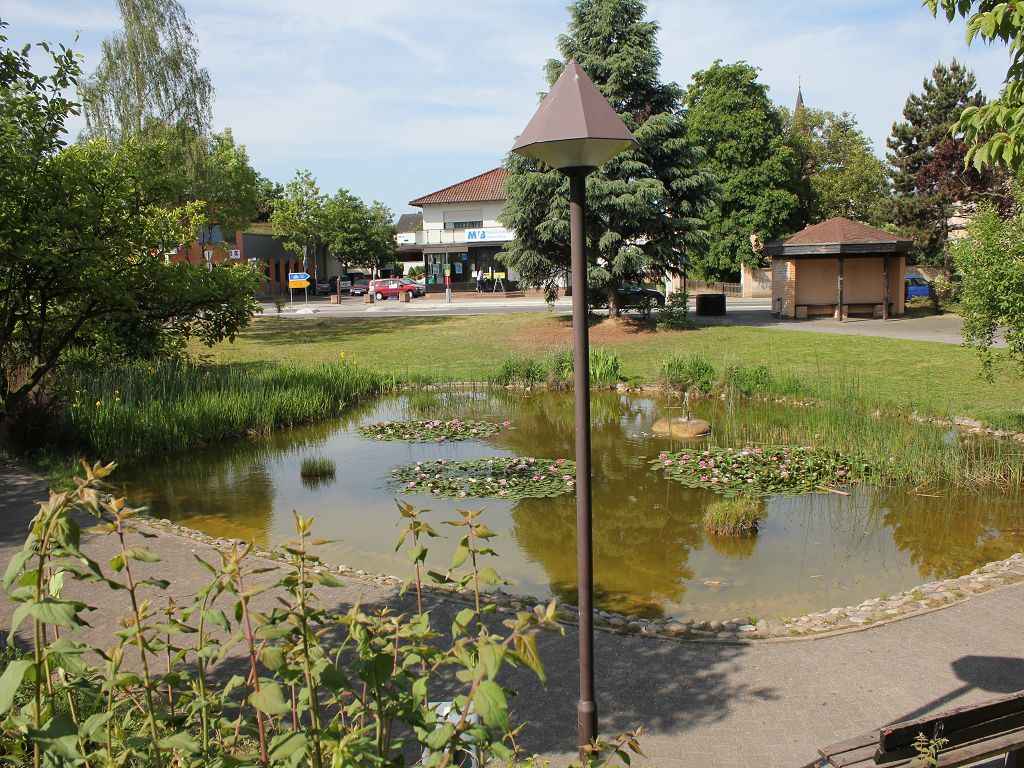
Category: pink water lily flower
<point>462,494</point>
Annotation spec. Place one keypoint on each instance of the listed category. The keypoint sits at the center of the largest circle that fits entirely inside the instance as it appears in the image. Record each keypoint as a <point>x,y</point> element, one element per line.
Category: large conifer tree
<point>732,117</point>
<point>646,207</point>
<point>921,210</point>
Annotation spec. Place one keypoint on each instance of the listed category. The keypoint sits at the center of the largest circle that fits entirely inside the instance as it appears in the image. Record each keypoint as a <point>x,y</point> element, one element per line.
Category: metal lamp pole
<point>576,130</point>
<point>586,708</point>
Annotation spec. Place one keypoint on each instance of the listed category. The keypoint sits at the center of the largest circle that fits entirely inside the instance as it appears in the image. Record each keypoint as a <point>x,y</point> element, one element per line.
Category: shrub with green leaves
<point>675,315</point>
<point>315,687</point>
<point>686,372</point>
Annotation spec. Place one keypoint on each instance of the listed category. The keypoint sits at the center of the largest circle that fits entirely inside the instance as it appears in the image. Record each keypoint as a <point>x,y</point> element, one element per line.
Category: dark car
<point>918,287</point>
<point>360,287</point>
<point>340,284</point>
<point>630,295</point>
<point>322,286</point>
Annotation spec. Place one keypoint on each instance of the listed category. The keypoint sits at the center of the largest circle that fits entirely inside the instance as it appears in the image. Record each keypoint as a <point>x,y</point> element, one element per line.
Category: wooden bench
<point>972,733</point>
<point>803,311</point>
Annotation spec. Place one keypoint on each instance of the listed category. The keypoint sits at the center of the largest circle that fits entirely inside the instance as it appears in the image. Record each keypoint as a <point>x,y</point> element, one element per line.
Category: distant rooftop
<point>409,222</point>
<point>488,186</point>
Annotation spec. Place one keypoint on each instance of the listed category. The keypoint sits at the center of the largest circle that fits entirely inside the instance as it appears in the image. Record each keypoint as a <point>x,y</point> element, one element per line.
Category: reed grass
<point>556,368</point>
<point>129,413</point>
<point>317,466</point>
<point>734,517</point>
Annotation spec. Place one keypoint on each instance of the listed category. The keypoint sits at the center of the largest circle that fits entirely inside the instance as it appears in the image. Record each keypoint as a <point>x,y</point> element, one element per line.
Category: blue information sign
<point>298,276</point>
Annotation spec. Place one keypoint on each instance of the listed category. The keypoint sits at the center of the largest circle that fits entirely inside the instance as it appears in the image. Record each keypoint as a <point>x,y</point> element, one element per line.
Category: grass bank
<point>940,380</point>
<point>133,412</point>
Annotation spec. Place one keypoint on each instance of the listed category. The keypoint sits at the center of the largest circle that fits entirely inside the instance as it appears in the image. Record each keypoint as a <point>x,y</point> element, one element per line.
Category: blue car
<point>918,287</point>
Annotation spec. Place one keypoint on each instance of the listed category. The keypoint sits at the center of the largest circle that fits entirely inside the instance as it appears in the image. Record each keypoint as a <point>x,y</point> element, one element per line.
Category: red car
<point>390,286</point>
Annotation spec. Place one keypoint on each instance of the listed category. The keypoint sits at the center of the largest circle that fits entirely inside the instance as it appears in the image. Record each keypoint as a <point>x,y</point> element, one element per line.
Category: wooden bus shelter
<point>839,267</point>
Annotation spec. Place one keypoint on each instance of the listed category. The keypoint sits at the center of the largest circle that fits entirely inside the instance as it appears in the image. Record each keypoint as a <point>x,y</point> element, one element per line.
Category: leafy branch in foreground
<point>256,670</point>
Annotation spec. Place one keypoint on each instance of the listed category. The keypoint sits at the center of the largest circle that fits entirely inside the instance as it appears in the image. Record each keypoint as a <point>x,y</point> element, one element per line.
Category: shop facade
<point>459,237</point>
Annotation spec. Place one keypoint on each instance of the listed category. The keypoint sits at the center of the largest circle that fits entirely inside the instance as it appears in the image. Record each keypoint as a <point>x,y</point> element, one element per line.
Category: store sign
<point>498,234</point>
<point>235,253</point>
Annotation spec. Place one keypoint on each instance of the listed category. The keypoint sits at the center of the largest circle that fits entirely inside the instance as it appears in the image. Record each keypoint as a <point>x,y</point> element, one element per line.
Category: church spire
<point>799,97</point>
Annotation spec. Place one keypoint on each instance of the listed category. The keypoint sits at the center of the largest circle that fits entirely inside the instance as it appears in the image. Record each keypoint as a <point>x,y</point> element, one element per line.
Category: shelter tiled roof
<point>409,222</point>
<point>485,187</point>
<point>841,230</point>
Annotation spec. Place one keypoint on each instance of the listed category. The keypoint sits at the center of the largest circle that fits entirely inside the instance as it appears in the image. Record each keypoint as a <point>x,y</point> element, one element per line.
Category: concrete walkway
<point>705,704</point>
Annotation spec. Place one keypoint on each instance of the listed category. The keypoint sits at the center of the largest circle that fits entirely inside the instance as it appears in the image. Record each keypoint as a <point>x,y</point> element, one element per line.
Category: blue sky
<point>393,99</point>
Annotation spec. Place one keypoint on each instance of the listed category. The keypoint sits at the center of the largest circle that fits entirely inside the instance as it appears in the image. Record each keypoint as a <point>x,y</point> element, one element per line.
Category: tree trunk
<point>614,310</point>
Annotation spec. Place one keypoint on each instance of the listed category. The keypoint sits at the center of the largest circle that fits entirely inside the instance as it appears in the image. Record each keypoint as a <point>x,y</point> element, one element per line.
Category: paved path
<point>707,705</point>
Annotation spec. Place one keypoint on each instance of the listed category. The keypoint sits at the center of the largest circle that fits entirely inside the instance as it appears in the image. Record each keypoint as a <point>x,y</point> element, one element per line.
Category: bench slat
<point>979,750</point>
<point>847,744</point>
<point>901,735</point>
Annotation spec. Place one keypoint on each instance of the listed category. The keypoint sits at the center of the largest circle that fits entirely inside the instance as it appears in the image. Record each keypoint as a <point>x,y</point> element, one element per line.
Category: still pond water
<point>651,555</point>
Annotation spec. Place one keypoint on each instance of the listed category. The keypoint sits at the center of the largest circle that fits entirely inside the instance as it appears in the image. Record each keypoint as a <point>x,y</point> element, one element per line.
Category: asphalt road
<point>945,329</point>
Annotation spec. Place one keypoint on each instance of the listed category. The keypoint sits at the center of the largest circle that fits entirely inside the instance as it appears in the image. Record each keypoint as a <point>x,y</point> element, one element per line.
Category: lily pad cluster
<point>496,478</point>
<point>765,471</point>
<point>431,430</point>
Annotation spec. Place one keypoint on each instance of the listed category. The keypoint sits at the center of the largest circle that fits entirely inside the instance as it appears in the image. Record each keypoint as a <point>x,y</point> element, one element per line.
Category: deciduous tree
<point>83,229</point>
<point>994,131</point>
<point>841,173</point>
<point>646,208</point>
<point>731,116</point>
<point>991,258</point>
<point>149,74</point>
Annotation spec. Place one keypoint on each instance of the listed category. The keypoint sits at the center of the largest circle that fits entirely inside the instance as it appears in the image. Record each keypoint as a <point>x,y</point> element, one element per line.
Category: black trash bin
<point>710,303</point>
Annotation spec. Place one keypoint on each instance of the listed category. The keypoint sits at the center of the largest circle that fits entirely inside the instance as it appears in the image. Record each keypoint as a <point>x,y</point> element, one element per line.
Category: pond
<point>651,554</point>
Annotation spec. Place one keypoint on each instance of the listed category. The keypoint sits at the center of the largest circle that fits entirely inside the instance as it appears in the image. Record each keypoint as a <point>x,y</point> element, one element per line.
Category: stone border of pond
<point>932,596</point>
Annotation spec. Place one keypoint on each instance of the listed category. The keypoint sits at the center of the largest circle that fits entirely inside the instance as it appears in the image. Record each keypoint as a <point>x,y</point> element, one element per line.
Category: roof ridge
<point>425,198</point>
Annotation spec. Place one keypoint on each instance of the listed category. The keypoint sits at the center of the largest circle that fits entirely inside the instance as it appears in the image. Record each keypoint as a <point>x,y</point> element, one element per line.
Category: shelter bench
<point>973,733</point>
<point>805,310</point>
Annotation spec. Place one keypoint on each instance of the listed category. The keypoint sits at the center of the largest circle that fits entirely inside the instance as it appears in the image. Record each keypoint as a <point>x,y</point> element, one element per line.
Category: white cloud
<point>395,98</point>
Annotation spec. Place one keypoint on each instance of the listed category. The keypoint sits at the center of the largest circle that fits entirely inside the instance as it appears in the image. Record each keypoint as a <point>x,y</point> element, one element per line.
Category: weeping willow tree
<point>149,76</point>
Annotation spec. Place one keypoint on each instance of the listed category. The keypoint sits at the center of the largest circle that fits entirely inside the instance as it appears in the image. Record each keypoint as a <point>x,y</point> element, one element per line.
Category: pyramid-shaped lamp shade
<point>575,126</point>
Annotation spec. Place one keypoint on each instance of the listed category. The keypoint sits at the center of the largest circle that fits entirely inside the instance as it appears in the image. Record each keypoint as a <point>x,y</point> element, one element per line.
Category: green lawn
<point>935,379</point>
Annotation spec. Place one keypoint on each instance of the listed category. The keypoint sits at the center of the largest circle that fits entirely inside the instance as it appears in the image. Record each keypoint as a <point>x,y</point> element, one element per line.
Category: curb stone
<point>873,612</point>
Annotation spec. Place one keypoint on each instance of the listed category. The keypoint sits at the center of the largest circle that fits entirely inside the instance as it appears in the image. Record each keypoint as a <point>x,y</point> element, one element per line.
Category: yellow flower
<point>98,403</point>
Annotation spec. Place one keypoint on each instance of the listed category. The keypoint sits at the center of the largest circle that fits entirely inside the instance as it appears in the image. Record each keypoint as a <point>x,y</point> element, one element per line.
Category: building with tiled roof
<point>839,267</point>
<point>487,186</point>
<point>459,238</point>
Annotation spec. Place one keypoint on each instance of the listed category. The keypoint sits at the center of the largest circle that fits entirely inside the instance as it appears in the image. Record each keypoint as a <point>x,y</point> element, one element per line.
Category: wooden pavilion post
<point>842,266</point>
<point>885,287</point>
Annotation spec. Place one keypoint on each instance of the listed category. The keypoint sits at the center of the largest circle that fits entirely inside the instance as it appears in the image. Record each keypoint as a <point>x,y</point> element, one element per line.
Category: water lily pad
<point>431,430</point>
<point>497,478</point>
<point>764,471</point>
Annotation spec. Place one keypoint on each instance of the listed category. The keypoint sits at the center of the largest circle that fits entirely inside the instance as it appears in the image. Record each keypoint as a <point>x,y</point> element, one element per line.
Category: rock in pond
<point>682,428</point>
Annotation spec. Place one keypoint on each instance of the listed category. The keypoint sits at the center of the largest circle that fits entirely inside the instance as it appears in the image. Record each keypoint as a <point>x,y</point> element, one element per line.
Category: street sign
<point>298,283</point>
<point>292,276</point>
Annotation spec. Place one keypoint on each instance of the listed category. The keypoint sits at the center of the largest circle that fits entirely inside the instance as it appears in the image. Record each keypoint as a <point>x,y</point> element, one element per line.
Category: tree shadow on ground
<point>299,332</point>
<point>994,675</point>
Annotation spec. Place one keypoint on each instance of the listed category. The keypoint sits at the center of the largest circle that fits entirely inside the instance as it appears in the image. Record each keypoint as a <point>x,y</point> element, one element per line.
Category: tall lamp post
<point>576,130</point>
